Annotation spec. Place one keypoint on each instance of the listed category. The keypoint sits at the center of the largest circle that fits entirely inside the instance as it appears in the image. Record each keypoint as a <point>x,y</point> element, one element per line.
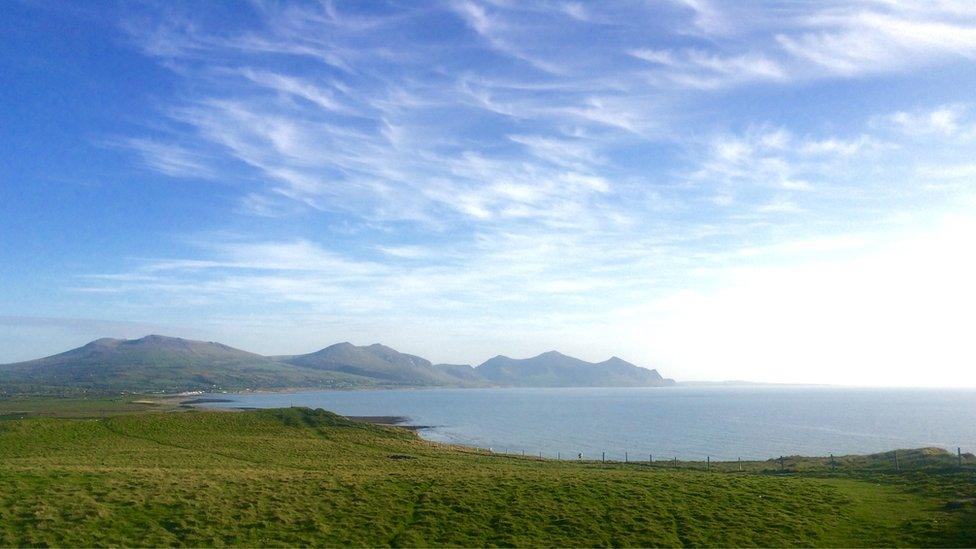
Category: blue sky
<point>722,190</point>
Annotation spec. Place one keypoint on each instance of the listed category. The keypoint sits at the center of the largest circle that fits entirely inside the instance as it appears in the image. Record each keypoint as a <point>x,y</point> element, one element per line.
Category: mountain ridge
<point>157,363</point>
<point>375,361</point>
<point>554,369</point>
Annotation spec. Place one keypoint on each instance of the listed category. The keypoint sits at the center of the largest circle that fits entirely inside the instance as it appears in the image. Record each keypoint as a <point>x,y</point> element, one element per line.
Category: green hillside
<point>554,369</point>
<point>384,365</point>
<point>302,477</point>
<point>160,364</point>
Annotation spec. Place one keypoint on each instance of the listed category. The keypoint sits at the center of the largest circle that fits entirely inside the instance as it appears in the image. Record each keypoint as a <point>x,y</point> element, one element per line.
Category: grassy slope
<point>21,407</point>
<point>295,476</point>
<point>163,365</point>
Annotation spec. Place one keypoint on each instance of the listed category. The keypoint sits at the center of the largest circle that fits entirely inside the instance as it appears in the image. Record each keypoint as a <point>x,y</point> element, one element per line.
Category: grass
<point>302,477</point>
<point>23,407</point>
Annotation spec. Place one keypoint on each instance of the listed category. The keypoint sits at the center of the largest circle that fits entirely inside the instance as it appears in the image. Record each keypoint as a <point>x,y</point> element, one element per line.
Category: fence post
<point>626,460</point>
<point>739,461</point>
<point>603,457</point>
<point>540,455</point>
<point>557,456</point>
<point>650,458</point>
<point>833,463</point>
<point>959,455</point>
<point>782,464</point>
<point>676,462</point>
<point>708,463</point>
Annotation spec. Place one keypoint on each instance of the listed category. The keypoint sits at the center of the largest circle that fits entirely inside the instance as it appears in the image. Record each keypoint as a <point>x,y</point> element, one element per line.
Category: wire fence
<point>895,460</point>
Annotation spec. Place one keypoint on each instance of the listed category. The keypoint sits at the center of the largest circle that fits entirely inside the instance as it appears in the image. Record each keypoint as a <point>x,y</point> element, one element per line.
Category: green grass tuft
<point>309,477</point>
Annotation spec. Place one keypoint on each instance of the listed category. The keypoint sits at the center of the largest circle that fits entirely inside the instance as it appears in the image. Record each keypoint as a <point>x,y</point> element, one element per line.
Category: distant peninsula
<point>161,364</point>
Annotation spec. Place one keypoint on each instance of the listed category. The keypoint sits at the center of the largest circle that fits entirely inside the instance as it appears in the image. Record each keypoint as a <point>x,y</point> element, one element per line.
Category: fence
<point>896,460</point>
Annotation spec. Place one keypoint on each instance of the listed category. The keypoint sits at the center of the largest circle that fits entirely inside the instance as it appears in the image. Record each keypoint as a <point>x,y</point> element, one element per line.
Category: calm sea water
<point>682,422</point>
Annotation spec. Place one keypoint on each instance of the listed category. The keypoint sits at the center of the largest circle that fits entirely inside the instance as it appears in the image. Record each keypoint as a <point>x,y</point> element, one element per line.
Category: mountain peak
<point>376,361</point>
<point>156,338</point>
<point>163,363</point>
<point>381,347</point>
<point>157,363</point>
<point>343,345</point>
<point>104,342</point>
<point>162,342</point>
<point>554,369</point>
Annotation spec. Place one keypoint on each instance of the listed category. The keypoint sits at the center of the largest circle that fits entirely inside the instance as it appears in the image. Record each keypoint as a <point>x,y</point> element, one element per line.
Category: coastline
<point>540,419</point>
<point>389,421</point>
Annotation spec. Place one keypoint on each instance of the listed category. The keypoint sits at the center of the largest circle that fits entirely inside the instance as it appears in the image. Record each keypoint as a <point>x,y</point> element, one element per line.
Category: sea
<point>683,422</point>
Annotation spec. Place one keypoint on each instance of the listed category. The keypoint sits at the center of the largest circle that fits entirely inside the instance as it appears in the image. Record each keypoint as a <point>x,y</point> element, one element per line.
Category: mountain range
<point>163,364</point>
<point>554,369</point>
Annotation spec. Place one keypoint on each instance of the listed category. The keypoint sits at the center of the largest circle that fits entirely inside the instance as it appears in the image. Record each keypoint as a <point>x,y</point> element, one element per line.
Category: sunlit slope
<point>385,365</point>
<point>297,476</point>
<point>159,364</point>
<point>554,369</point>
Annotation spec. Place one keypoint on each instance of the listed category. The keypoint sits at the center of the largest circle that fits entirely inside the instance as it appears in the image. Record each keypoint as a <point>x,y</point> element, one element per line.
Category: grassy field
<point>302,477</point>
<point>24,407</point>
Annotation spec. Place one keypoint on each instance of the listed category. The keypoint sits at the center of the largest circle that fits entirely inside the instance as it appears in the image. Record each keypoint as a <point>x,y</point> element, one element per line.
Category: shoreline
<point>678,385</point>
<point>683,462</point>
<point>433,425</point>
<point>25,408</point>
<point>390,421</point>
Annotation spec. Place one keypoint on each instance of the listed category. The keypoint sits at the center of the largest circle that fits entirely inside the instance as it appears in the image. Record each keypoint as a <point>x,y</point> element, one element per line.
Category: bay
<point>722,422</point>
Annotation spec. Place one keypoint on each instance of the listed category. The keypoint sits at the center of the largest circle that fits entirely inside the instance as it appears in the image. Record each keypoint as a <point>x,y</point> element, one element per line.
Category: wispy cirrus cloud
<point>505,164</point>
<point>946,121</point>
<point>698,69</point>
<point>800,42</point>
<point>770,170</point>
<point>877,37</point>
<point>169,158</point>
<point>360,133</point>
<point>763,174</point>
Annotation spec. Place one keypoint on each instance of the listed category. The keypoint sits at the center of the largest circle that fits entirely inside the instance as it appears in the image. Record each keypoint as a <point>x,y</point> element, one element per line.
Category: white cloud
<point>707,18</point>
<point>943,121</point>
<point>804,41</point>
<point>532,171</point>
<point>878,37</point>
<point>950,172</point>
<point>778,206</point>
<point>493,29</point>
<point>406,252</point>
<point>661,57</point>
<point>570,153</point>
<point>772,170</point>
<point>841,147</point>
<point>318,95</point>
<point>699,69</point>
<point>171,159</point>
